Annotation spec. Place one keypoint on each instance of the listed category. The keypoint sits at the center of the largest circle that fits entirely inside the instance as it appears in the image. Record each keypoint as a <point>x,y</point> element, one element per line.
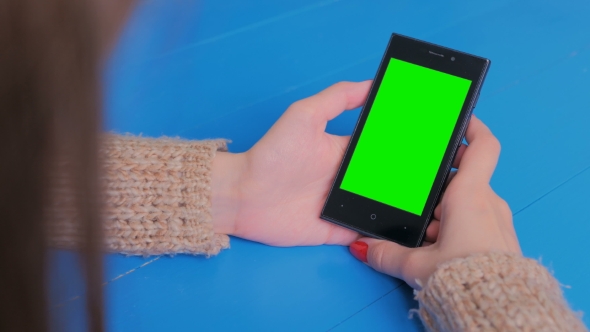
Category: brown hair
<point>49,110</point>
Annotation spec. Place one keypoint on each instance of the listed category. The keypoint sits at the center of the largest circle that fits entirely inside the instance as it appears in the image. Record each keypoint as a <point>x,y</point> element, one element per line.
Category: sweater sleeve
<point>495,292</point>
<point>157,198</point>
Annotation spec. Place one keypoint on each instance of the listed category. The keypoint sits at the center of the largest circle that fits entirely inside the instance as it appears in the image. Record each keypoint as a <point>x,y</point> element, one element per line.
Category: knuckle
<point>498,145</point>
<point>377,254</point>
<point>494,144</point>
<point>300,104</point>
<point>341,85</point>
<point>303,106</point>
<point>504,208</point>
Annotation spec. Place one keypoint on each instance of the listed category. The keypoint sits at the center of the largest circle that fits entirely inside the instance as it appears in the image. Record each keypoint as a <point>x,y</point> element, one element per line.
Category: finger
<point>459,155</point>
<point>437,212</point>
<point>426,244</point>
<point>386,257</point>
<point>481,156</point>
<point>432,231</point>
<point>452,174</point>
<point>340,235</point>
<point>450,178</point>
<point>332,101</point>
<point>342,141</point>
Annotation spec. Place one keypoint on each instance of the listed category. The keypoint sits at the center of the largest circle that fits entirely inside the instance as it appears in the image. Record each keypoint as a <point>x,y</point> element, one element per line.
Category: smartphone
<point>405,140</point>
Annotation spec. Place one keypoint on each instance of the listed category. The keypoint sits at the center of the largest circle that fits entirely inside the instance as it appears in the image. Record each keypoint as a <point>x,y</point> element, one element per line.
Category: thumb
<point>334,100</point>
<point>384,256</point>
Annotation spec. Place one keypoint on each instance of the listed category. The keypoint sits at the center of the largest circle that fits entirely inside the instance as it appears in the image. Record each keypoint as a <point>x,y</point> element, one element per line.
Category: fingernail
<point>359,250</point>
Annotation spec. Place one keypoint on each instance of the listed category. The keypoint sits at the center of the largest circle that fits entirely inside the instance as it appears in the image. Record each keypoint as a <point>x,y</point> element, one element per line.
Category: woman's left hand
<point>274,193</point>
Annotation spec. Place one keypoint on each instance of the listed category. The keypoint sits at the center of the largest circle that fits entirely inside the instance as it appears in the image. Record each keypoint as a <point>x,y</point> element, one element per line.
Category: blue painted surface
<point>250,286</point>
<point>557,227</point>
<point>230,68</point>
<point>385,314</point>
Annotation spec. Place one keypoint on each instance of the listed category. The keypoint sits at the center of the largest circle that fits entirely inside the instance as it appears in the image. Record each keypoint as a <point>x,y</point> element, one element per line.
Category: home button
<point>373,216</point>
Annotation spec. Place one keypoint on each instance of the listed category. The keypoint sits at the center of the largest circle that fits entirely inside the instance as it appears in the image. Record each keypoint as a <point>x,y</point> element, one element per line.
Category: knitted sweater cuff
<point>495,292</point>
<point>158,197</point>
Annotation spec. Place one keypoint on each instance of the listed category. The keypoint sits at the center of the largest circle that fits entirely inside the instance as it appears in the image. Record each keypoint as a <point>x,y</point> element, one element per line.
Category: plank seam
<point>365,307</point>
<point>550,191</point>
<point>251,26</point>
<point>77,297</point>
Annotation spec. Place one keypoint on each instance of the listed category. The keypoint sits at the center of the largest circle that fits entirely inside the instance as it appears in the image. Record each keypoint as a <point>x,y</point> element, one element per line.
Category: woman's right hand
<point>470,219</point>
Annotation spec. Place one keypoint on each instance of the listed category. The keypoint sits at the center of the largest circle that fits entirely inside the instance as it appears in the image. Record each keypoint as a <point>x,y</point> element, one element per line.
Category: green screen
<point>405,136</point>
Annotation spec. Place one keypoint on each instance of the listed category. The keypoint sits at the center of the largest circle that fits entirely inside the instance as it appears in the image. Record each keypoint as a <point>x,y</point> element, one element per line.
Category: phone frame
<point>375,219</point>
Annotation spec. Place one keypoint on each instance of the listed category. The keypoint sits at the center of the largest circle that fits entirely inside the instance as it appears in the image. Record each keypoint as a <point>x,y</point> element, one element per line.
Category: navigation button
<point>373,216</point>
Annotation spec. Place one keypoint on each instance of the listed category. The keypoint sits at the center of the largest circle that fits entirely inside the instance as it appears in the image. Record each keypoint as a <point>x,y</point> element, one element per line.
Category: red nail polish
<point>359,250</point>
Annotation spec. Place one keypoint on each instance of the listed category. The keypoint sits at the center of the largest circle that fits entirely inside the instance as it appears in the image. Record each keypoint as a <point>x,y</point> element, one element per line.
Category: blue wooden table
<point>229,68</point>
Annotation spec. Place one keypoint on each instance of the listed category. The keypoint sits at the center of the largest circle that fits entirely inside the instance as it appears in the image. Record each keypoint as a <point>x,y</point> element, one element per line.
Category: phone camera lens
<point>452,58</point>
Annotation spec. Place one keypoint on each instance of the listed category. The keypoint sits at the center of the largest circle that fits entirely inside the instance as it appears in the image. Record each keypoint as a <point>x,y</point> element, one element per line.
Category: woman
<point>174,196</point>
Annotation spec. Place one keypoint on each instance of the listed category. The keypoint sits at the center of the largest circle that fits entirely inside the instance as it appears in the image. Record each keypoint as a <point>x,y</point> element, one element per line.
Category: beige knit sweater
<point>158,198</point>
<point>158,201</point>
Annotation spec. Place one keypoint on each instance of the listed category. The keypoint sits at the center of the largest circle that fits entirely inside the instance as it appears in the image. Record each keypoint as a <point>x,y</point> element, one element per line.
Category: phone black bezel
<point>356,212</point>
